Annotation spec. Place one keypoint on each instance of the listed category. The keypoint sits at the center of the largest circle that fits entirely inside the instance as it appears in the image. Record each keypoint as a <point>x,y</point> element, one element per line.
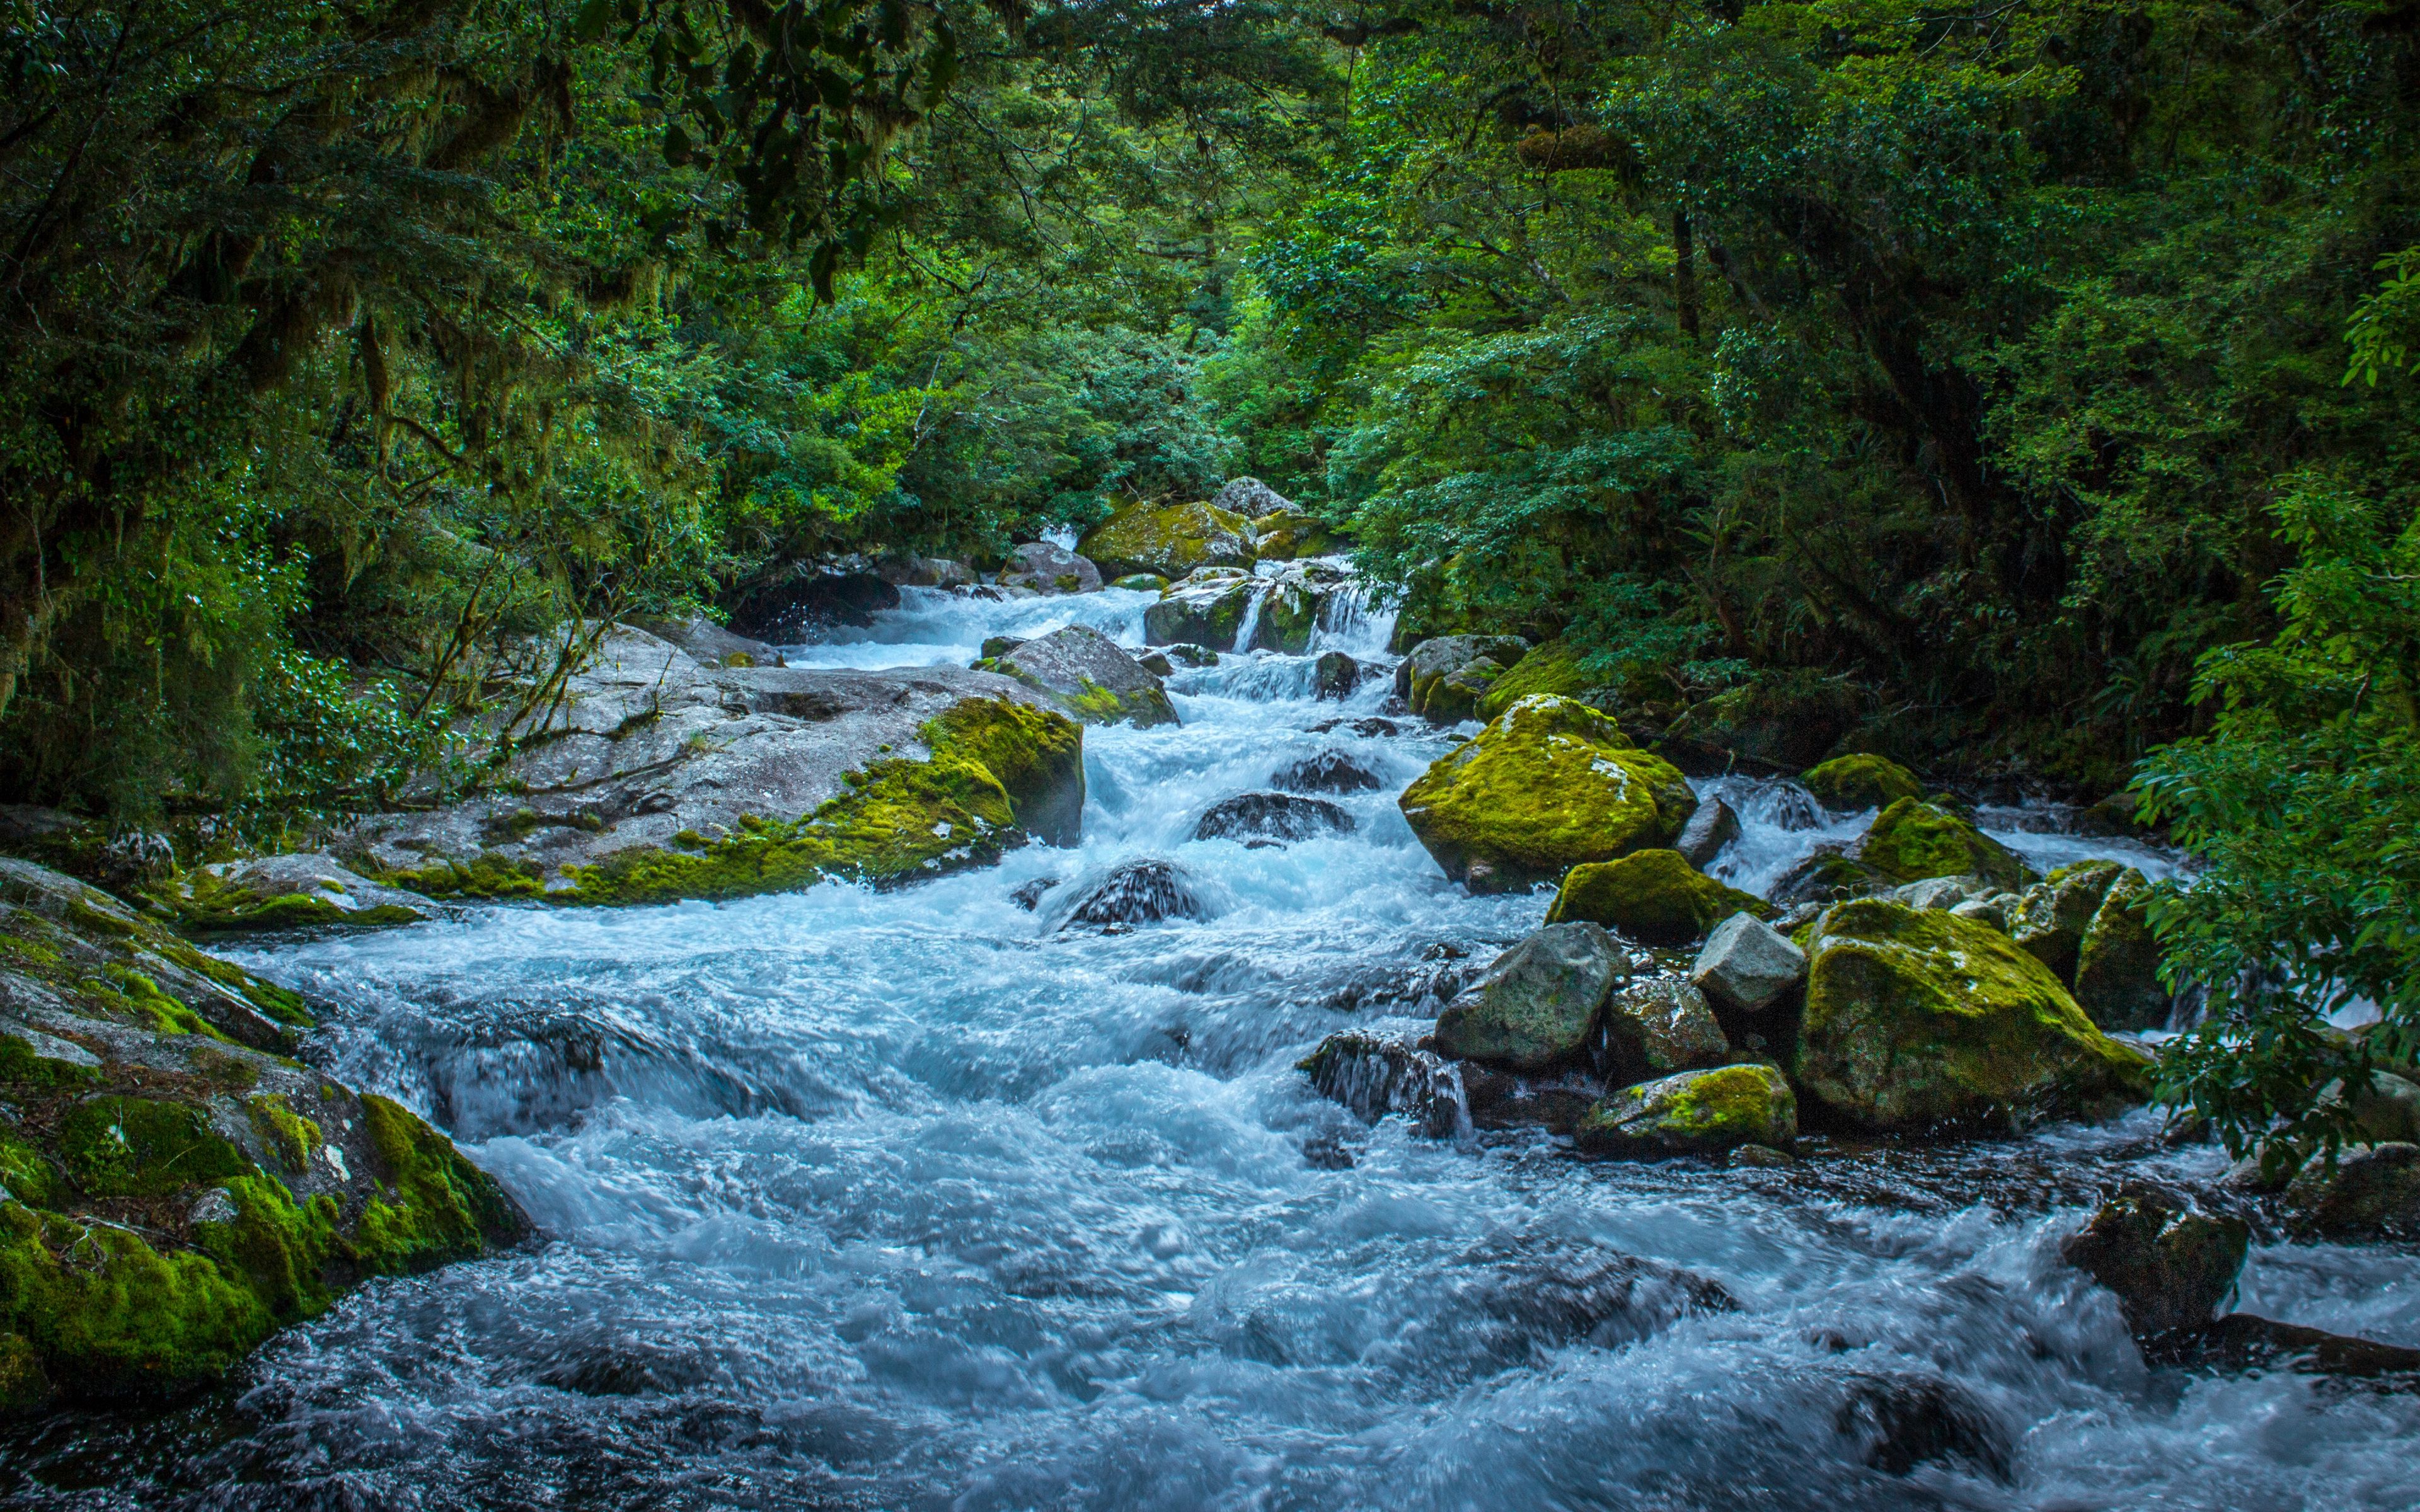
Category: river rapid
<point>915,1200</point>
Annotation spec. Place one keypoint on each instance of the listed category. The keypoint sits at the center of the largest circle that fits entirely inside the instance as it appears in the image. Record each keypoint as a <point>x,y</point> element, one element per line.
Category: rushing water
<point>908,1201</point>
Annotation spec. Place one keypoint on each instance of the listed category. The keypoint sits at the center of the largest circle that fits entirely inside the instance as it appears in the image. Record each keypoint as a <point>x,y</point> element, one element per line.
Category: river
<point>915,1199</point>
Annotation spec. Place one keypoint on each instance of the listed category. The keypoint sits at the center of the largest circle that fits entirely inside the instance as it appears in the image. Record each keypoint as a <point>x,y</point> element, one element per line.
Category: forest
<point>2022,391</point>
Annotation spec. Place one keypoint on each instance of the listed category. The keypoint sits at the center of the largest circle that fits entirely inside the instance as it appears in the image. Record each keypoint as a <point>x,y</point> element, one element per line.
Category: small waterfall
<point>1353,619</point>
<point>1251,625</point>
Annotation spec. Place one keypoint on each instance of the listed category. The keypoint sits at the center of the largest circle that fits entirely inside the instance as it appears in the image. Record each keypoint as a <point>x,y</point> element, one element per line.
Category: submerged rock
<point>1206,609</point>
<point>1375,1077</point>
<point>1862,781</point>
<point>2170,1266</point>
<point>1168,540</point>
<point>293,891</point>
<point>1330,771</point>
<point>1334,676</point>
<point>1443,679</point>
<point>1911,840</point>
<point>1280,816</point>
<point>1694,1112</point>
<point>1091,677</point>
<point>1900,1422</point>
<point>2242,1342</point>
<point>2372,1193</point>
<point>1546,786</point>
<point>1049,569</point>
<point>1747,965</point>
<point>1714,825</point>
<point>1654,896</point>
<point>1538,1005</point>
<point>1917,1020</point>
<point>1136,892</point>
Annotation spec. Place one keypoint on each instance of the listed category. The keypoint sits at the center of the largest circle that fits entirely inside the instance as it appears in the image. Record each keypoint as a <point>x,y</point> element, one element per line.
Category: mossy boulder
<point>1917,1020</point>
<point>2049,917</point>
<point>1548,785</point>
<point>2118,961</point>
<point>1654,896</point>
<point>1140,582</point>
<point>1090,677</point>
<point>1444,678</point>
<point>1552,668</point>
<point>1537,1005</point>
<point>1911,840</point>
<point>1206,609</point>
<point>173,1194</point>
<point>1694,1112</point>
<point>1168,540</point>
<point>1291,604</point>
<point>1861,782</point>
<point>278,892</point>
<point>1289,533</point>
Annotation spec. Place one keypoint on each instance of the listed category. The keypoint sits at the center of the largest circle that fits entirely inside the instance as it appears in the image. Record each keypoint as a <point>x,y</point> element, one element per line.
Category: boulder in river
<point>1136,892</point>
<point>291,891</point>
<point>1140,582</point>
<point>178,1188</point>
<point>1168,540</point>
<point>1049,569</point>
<point>1284,817</point>
<point>1552,668</point>
<point>1651,896</point>
<point>1549,785</point>
<point>1747,965</point>
<point>2170,1265</point>
<point>1861,782</point>
<point>2373,1192</point>
<point>1918,1020</point>
<point>1290,534</point>
<point>1330,771</point>
<point>1911,840</point>
<point>2117,962</point>
<point>1334,676</point>
<point>1714,825</point>
<point>1829,875</point>
<point>1442,679</point>
<point>1206,609</point>
<point>1250,497</point>
<point>1090,677</point>
<point>1538,1005</point>
<point>658,777</point>
<point>2242,1342</point>
<point>1652,1026</point>
<point>2050,917</point>
<point>1375,1077</point>
<point>1900,1422</point>
<point>1290,603</point>
<point>1694,1112</point>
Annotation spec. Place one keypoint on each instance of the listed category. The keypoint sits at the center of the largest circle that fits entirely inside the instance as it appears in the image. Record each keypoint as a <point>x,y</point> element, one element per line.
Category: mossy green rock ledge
<point>1695,1113</point>
<point>174,1189</point>
<point>1919,1021</point>
<point>1861,782</point>
<point>1168,540</point>
<point>1654,896</point>
<point>1548,785</point>
<point>1911,840</point>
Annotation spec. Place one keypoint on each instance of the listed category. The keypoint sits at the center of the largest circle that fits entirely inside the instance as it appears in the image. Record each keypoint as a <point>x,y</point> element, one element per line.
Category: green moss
<point>293,1137</point>
<point>138,1146</point>
<point>98,922</point>
<point>1288,534</point>
<point>167,1014</point>
<point>1168,540</point>
<point>2118,964</point>
<point>487,877</point>
<point>1911,840</point>
<point>110,1316</point>
<point>19,951</point>
<point>1861,782</point>
<point>1547,785</point>
<point>29,1178</point>
<point>434,1206</point>
<point>222,1070</point>
<point>1694,1112</point>
<point>280,1248</point>
<point>1036,756</point>
<point>24,1386</point>
<point>20,1067</point>
<point>272,999</point>
<point>1552,668</point>
<point>1918,1019</point>
<point>1654,896</point>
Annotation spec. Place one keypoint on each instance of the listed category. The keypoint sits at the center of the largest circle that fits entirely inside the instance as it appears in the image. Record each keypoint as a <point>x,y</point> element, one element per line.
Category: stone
<point>1250,498</point>
<point>1747,965</point>
<point>1899,1422</point>
<point>1291,604</point>
<point>1993,911</point>
<point>1537,1005</point>
<point>709,644</point>
<point>2117,962</point>
<point>1911,840</point>
<point>1206,609</point>
<point>1330,771</point>
<point>1828,875</point>
<point>1049,569</point>
<point>290,891</point>
<point>1185,654</point>
<point>1089,677</point>
<point>2170,1265</point>
<point>1290,534</point>
<point>2373,1193</point>
<point>1156,663</point>
<point>1547,785</point>
<point>2050,917</point>
<point>1917,1020</point>
<point>1334,676</point>
<point>1759,1158</point>
<point>1552,668</point>
<point>1140,582</point>
<point>924,572</point>
<point>2242,1342</point>
<point>1279,816</point>
<point>656,778</point>
<point>1714,825</point>
<point>1168,540</point>
<point>1693,1112</point>
<point>1655,1025</point>
<point>1942,892</point>
<point>1368,729</point>
<point>1028,895</point>
<point>1376,1077</point>
<point>1651,896</point>
<point>1421,676</point>
<point>1136,892</point>
<point>1555,1099</point>
<point>1860,781</point>
<point>795,602</point>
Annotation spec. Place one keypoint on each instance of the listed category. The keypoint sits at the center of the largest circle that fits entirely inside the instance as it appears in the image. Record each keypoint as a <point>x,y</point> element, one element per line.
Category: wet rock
<point>1334,676</point>
<point>1828,875</point>
<point>2242,1342</point>
<point>1049,569</point>
<point>1714,825</point>
<point>1993,911</point>
<point>1555,1100</point>
<point>1250,498</point>
<point>1538,1004</point>
<point>1759,1158</point>
<point>1510,1301</point>
<point>1654,896</point>
<point>1899,1422</point>
<point>1548,785</point>
<point>1693,1112</point>
<point>925,572</point>
<point>1443,679</point>
<point>2170,1265</point>
<point>1911,840</point>
<point>2117,962</point>
<point>1028,895</point>
<point>1861,782</point>
<point>1140,582</point>
<point>1747,965</point>
<point>808,596</point>
<point>1330,771</point>
<point>1138,892</point>
<point>2050,917</point>
<point>1168,540</point>
<point>1654,1026</point>
<point>1368,729</point>
<point>1290,534</point>
<point>1944,893</point>
<point>1207,608</point>
<point>293,891</point>
<point>1326,1153</point>
<point>1917,1020</point>
<point>1291,604</point>
<point>1375,1077</point>
<point>1091,677</point>
<point>1185,653</point>
<point>709,644</point>
<point>1280,816</point>
<point>1156,663</point>
<point>2373,1193</point>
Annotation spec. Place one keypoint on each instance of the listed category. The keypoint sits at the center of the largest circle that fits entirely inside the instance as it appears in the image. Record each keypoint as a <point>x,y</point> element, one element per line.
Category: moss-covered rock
<point>1090,677</point>
<point>1911,840</point>
<point>1206,609</point>
<point>1289,533</point>
<point>2117,962</point>
<point>1653,897</point>
<point>1552,668</point>
<point>1291,604</point>
<point>1694,1112</point>
<point>279,892</point>
<point>1861,782</point>
<point>1140,582</point>
<point>1168,540</point>
<point>2049,917</point>
<point>1918,1020</point>
<point>1537,1005</point>
<point>1549,785</point>
<point>1444,678</point>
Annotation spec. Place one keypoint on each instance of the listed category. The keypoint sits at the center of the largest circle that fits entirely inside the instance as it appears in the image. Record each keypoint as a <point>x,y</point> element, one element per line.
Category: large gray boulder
<point>1049,569</point>
<point>651,757</point>
<point>1714,825</point>
<point>1206,609</point>
<point>1652,1026</point>
<point>1091,676</point>
<point>1747,965</point>
<point>1250,498</point>
<point>1538,1004</point>
<point>1444,678</point>
<point>710,644</point>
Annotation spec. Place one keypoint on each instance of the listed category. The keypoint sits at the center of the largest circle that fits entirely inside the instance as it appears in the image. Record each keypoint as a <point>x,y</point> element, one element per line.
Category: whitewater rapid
<point>904,1201</point>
